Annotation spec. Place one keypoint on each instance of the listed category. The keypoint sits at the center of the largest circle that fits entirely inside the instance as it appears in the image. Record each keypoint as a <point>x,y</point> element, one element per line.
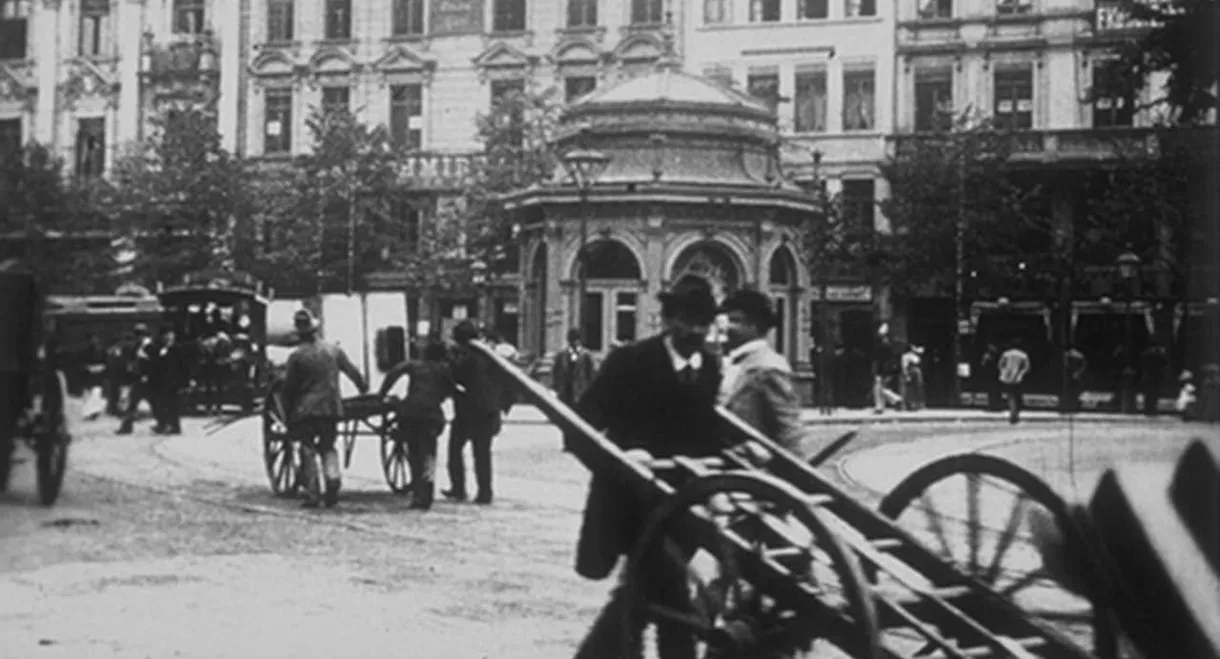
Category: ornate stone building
<point>85,76</point>
<point>693,184</point>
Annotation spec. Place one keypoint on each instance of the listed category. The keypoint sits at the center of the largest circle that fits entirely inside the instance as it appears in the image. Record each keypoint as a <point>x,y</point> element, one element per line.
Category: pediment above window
<point>17,82</point>
<point>501,55</point>
<point>639,47</point>
<point>332,61</point>
<point>271,63</point>
<point>401,59</point>
<point>86,80</point>
<point>575,52</point>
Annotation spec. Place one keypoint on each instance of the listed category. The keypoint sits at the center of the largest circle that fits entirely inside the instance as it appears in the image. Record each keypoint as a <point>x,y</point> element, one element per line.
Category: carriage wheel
<point>395,458</point>
<point>51,443</point>
<point>715,533</point>
<point>981,513</point>
<point>281,456</point>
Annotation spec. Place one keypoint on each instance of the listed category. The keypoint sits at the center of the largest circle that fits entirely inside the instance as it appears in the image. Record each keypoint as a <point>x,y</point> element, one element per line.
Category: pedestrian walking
<point>137,358</point>
<point>168,374</point>
<point>573,370</point>
<point>1074,366</point>
<point>420,417</point>
<point>653,398</point>
<point>757,382</point>
<point>885,368</point>
<point>1013,367</point>
<point>482,399</point>
<point>912,378</point>
<point>1187,399</point>
<point>314,406</point>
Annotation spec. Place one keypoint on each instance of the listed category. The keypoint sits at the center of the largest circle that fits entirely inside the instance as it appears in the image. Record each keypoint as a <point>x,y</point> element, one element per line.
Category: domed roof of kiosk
<point>667,85</point>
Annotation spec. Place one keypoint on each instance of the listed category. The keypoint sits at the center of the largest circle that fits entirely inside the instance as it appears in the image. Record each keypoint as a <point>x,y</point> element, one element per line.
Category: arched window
<point>610,259</point>
<point>783,268</point>
<point>711,261</point>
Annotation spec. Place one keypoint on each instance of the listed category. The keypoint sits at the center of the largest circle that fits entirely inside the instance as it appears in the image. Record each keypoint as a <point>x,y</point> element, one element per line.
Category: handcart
<point>783,562</point>
<point>368,415</point>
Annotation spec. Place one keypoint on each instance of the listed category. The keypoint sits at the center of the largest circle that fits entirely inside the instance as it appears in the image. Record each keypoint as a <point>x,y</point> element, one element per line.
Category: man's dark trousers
<point>479,431</point>
<point>139,392</point>
<point>1015,401</point>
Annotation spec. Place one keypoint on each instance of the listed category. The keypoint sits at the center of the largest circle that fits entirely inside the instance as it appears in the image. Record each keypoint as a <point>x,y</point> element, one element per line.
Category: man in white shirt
<point>1014,365</point>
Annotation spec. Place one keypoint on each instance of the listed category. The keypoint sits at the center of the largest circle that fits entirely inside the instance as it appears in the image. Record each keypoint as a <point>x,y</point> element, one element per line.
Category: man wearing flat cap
<point>655,398</point>
<point>314,405</point>
<point>758,380</point>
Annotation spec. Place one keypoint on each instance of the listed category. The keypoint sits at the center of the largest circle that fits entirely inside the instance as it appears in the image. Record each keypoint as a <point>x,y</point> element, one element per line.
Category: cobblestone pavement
<point>175,547</point>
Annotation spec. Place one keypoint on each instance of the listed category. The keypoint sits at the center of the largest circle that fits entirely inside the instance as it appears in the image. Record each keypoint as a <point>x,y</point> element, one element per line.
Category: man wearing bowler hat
<point>314,405</point>
<point>655,398</point>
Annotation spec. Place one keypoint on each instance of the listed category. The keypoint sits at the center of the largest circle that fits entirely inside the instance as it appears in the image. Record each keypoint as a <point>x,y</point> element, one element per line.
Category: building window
<point>813,8</point>
<point>1111,109</point>
<point>936,9</point>
<point>810,115</point>
<point>1013,7</point>
<point>716,12</point>
<point>647,12</point>
<point>576,86</point>
<point>509,16</point>
<point>853,8</point>
<point>859,204</point>
<point>408,17</point>
<point>10,135</point>
<point>407,116</point>
<point>14,15</point>
<point>188,16</point>
<point>279,20</point>
<point>94,27</point>
<point>90,147</point>
<point>764,11</point>
<point>764,85</point>
<point>336,99</point>
<point>859,99</point>
<point>582,13</point>
<point>624,317</point>
<point>933,99</point>
<point>277,133</point>
<point>503,89</point>
<point>338,19</point>
<point>1014,98</point>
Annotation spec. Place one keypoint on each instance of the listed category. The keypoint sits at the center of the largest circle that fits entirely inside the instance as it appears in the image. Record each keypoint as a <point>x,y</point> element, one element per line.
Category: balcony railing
<point>1112,17</point>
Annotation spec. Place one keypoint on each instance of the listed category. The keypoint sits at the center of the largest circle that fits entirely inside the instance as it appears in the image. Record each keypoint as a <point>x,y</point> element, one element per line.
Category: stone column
<point>556,298</point>
<point>226,21</point>
<point>129,18</point>
<point>649,308</point>
<point>46,36</point>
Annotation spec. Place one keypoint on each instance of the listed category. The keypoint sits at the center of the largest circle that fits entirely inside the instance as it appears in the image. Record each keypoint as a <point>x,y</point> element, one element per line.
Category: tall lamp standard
<point>1128,268</point>
<point>585,166</point>
<point>823,351</point>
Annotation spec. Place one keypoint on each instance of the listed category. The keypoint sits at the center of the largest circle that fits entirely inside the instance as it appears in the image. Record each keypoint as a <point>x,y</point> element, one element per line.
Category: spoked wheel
<point>741,567</point>
<point>52,439</point>
<point>982,514</point>
<point>281,456</point>
<point>395,458</point>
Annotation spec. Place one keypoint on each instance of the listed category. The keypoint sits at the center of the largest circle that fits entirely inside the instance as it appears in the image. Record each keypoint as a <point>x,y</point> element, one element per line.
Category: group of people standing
<point>153,370</point>
<point>311,397</point>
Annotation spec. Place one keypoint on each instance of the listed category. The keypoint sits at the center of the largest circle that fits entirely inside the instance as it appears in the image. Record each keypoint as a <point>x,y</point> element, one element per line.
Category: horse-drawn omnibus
<point>221,322</point>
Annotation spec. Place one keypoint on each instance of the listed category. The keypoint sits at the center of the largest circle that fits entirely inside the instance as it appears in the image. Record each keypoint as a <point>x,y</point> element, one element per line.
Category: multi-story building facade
<point>826,67</point>
<point>85,77</point>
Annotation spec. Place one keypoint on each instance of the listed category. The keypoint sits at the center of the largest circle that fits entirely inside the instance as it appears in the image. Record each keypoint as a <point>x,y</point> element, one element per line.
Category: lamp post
<point>478,277</point>
<point>1128,268</point>
<point>584,166</point>
<point>823,350</point>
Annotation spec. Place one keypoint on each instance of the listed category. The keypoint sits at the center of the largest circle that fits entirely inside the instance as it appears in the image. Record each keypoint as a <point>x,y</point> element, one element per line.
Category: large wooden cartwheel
<point>982,513</point>
<point>281,455</point>
<point>726,534</point>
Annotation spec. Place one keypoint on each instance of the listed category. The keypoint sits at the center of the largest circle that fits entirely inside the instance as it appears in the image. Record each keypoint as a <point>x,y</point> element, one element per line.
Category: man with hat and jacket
<point>314,405</point>
<point>137,365</point>
<point>655,398</point>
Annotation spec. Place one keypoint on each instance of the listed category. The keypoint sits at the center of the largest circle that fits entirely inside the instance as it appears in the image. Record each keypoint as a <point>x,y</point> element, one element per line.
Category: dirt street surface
<point>175,547</point>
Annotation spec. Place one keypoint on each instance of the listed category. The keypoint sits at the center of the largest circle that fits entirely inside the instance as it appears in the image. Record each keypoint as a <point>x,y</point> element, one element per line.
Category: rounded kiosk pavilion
<point>690,182</point>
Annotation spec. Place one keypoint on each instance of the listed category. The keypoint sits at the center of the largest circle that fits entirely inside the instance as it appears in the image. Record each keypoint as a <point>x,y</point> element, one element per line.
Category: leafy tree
<point>180,197</point>
<point>1181,44</point>
<point>953,195</point>
<point>46,219</point>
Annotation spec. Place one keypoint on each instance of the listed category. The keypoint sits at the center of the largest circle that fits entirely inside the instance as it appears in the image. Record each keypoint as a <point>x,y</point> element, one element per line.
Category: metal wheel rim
<point>864,641</point>
<point>395,459</point>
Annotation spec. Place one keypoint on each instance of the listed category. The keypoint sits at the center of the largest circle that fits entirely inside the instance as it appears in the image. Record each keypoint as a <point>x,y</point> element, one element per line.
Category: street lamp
<point>1128,268</point>
<point>823,351</point>
<point>585,166</point>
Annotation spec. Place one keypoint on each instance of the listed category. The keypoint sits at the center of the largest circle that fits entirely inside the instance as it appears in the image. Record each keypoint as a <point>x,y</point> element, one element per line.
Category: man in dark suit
<point>573,371</point>
<point>137,356</point>
<point>654,398</point>
<point>168,373</point>
<point>478,409</point>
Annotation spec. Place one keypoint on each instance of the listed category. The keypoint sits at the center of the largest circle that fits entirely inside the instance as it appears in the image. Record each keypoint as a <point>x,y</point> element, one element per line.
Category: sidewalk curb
<point>997,418</point>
